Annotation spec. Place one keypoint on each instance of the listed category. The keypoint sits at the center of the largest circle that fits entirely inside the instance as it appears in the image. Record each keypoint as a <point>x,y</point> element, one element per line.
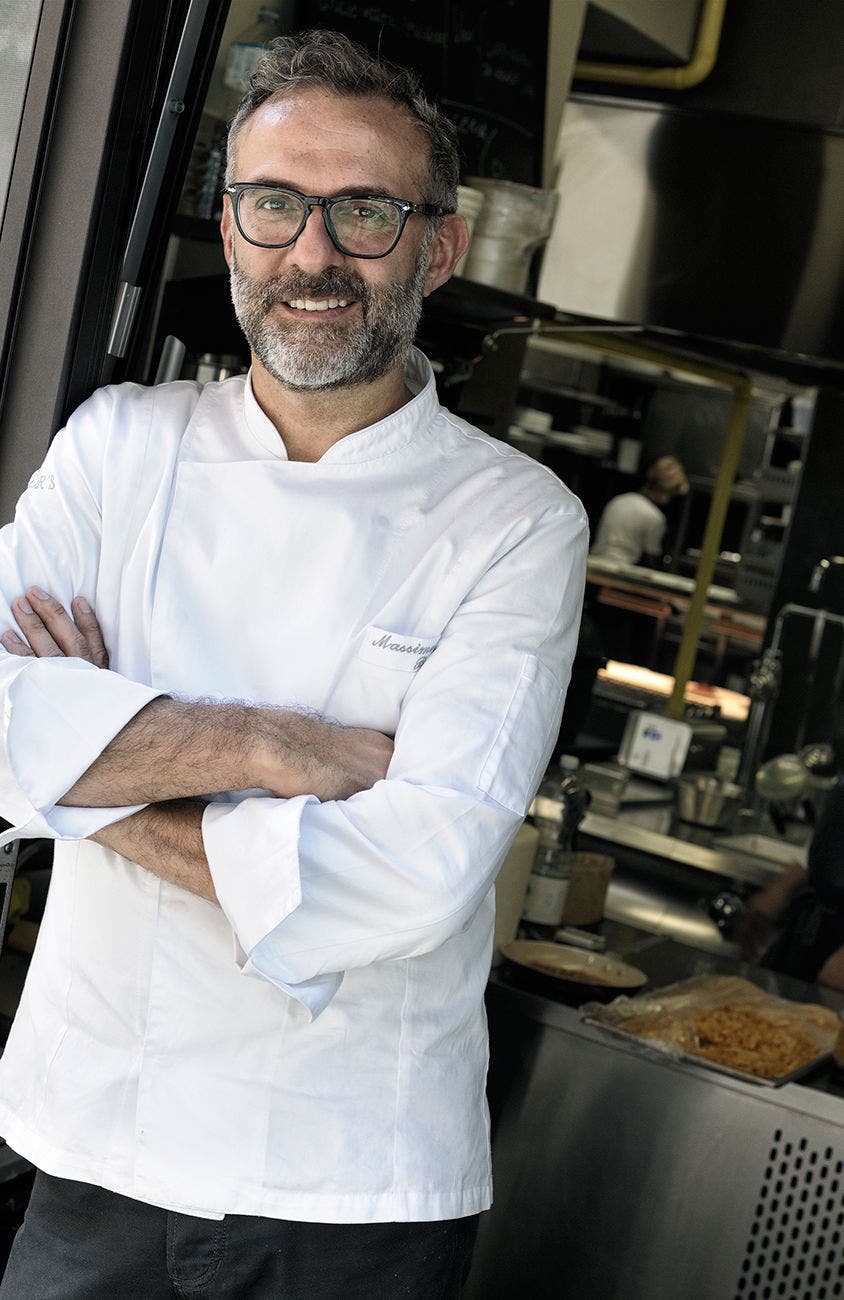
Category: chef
<point>632,526</point>
<point>796,923</point>
<point>282,670</point>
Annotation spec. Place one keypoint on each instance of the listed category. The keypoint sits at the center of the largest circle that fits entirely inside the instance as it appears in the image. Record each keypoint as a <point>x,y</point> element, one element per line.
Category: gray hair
<point>331,61</point>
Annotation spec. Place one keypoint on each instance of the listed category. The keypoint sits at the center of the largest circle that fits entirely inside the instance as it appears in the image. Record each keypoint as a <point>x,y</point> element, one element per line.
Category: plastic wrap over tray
<point>726,1024</point>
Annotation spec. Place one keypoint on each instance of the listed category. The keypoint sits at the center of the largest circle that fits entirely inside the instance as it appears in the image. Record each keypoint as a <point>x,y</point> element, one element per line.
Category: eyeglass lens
<point>360,226</point>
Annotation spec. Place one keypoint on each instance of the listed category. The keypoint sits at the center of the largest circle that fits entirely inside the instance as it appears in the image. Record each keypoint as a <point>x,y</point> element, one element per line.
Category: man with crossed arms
<point>251,1052</point>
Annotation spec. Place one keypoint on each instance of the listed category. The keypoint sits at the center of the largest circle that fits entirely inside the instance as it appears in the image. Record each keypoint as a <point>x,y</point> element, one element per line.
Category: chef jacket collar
<point>376,440</point>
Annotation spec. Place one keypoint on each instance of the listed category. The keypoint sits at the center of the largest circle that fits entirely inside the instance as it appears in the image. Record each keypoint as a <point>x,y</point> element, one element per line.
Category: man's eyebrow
<point>353,191</point>
<point>368,191</point>
<point>271,180</point>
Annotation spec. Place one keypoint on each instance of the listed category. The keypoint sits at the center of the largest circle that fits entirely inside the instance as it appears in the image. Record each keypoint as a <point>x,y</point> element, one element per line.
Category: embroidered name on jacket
<point>392,650</point>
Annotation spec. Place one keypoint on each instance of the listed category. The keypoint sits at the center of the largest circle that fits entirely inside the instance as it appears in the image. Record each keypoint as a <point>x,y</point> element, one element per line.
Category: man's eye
<point>370,215</point>
<point>274,203</point>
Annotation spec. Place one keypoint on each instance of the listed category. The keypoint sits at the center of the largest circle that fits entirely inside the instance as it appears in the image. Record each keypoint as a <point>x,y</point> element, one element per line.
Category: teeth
<point>311,304</point>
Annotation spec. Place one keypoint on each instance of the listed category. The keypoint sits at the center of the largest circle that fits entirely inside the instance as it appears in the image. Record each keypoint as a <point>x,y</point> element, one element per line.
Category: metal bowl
<point>706,800</point>
<point>781,778</point>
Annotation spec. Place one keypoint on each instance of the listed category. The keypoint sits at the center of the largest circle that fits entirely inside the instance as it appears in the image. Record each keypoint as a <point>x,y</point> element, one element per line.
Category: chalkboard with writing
<point>483,63</point>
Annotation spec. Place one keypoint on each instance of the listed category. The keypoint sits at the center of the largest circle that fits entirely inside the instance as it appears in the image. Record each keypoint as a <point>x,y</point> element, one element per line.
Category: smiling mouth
<point>318,304</point>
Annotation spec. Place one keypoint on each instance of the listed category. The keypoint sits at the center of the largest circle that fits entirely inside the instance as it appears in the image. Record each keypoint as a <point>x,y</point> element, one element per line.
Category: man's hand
<point>299,754</point>
<point>752,933</point>
<point>50,631</point>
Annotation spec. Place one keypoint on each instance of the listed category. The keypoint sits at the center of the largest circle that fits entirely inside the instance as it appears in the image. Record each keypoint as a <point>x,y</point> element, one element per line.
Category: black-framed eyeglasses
<point>358,225</point>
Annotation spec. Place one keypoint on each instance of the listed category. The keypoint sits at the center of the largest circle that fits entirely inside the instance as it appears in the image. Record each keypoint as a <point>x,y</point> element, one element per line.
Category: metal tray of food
<point>652,1046</point>
<point>727,1025</point>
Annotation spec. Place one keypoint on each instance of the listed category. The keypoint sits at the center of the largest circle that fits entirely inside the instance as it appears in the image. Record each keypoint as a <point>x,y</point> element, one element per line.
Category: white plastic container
<point>513,222</point>
<point>469,204</point>
<point>511,885</point>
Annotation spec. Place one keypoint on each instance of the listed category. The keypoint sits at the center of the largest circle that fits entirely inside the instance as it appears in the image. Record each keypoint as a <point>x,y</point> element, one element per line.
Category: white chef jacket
<point>315,1048</point>
<point>630,526</point>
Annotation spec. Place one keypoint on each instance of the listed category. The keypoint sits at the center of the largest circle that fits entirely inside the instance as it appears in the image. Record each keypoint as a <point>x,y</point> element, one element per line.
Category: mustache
<point>333,282</point>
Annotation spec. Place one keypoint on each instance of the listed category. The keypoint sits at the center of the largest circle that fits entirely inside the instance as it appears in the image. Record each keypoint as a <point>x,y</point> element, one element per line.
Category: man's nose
<point>313,249</point>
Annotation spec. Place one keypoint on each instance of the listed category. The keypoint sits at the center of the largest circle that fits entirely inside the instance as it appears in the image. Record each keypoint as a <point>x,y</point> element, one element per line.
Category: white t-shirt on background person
<point>631,526</point>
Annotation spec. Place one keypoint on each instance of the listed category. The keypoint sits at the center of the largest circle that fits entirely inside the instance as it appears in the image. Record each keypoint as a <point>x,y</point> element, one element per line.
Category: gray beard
<point>306,357</point>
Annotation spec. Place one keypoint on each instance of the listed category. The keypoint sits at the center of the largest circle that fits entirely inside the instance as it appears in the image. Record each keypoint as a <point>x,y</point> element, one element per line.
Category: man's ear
<point>448,246</point>
<point>227,230</point>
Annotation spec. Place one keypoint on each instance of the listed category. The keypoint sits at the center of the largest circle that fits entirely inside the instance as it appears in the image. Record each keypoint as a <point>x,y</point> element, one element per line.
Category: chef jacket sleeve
<point>312,889</point>
<point>58,714</point>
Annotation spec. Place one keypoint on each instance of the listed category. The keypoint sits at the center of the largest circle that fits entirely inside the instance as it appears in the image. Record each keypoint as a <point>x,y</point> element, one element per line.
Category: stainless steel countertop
<point>617,829</point>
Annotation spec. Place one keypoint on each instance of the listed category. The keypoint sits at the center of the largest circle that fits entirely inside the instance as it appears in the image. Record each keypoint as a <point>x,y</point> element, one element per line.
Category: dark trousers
<point>79,1242</point>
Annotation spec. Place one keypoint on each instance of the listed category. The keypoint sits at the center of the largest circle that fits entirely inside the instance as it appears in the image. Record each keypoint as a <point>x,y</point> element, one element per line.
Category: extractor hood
<point>713,224</point>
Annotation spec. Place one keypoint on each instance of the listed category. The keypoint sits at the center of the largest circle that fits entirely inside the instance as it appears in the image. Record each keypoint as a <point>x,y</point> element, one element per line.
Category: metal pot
<point>706,800</point>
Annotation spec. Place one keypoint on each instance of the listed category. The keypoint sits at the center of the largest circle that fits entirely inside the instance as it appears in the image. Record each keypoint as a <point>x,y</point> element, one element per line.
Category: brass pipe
<point>733,442</point>
<point>702,62</point>
<point>625,346</point>
<point>684,664</point>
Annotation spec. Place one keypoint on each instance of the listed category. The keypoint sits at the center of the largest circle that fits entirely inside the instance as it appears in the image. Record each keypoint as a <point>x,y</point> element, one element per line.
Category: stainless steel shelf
<point>718,862</point>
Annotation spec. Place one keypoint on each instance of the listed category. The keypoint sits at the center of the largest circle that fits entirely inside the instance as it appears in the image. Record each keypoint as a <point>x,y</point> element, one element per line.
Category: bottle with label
<point>546,892</point>
<point>557,811</point>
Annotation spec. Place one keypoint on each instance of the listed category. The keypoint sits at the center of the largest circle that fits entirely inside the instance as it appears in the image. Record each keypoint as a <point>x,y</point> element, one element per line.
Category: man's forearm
<point>174,750</point>
<point>170,750</point>
<point>165,839</point>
